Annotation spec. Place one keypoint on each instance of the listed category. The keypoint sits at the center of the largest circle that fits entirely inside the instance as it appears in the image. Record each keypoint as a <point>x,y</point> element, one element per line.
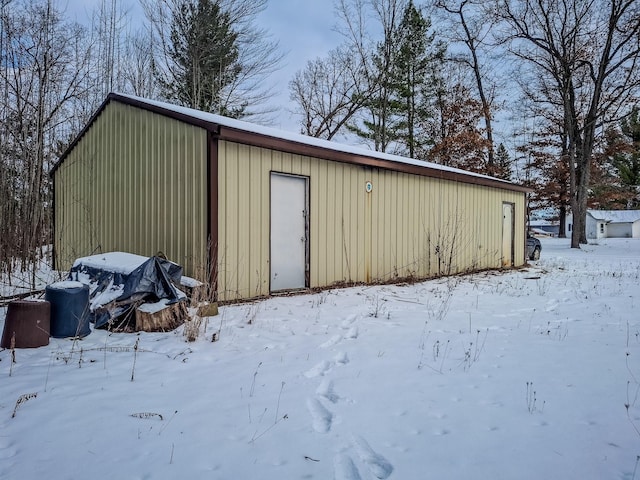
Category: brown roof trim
<point>75,141</point>
<point>299,148</point>
<point>211,127</point>
<point>289,146</point>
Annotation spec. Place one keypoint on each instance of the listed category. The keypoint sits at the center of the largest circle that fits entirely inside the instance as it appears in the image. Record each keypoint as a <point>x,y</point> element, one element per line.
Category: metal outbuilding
<point>257,210</point>
<point>610,224</point>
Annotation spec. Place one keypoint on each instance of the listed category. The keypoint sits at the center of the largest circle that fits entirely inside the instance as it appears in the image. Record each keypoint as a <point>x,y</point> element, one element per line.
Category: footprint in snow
<point>322,417</point>
<point>325,389</point>
<point>376,463</point>
<point>319,369</point>
<point>331,342</point>
<point>352,333</point>
<point>341,358</point>
<point>346,323</point>
<point>344,468</point>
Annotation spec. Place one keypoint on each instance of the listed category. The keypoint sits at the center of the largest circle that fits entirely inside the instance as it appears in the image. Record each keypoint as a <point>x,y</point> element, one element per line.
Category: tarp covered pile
<point>119,282</point>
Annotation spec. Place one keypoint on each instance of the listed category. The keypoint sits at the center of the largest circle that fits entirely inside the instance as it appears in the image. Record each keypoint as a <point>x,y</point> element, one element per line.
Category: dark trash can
<point>27,324</point>
<point>69,309</point>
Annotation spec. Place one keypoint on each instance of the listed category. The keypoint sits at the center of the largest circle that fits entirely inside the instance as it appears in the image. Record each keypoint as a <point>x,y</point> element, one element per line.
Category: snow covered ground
<point>531,374</point>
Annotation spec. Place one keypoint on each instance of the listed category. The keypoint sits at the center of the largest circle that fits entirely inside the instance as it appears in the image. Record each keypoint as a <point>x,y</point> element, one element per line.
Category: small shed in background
<point>610,224</point>
<point>257,210</point>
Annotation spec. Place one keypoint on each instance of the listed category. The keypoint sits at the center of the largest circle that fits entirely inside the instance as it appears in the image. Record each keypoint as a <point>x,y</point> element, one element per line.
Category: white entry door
<point>507,234</point>
<point>288,232</point>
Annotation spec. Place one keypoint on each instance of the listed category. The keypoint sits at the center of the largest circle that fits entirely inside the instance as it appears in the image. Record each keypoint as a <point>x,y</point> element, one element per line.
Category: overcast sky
<point>304,29</point>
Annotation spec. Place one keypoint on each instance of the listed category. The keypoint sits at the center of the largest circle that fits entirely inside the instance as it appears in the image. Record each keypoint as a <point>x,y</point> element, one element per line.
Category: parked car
<point>534,247</point>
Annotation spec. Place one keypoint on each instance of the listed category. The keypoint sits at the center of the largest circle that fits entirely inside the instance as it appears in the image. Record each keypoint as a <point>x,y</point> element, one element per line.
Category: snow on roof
<point>116,262</point>
<point>616,216</point>
<point>297,137</point>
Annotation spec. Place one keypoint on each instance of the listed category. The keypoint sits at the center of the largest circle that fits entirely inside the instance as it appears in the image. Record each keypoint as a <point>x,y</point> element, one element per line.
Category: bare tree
<point>376,55</point>
<point>458,141</point>
<point>43,68</point>
<point>137,71</point>
<point>589,49</point>
<point>474,25</point>
<point>109,24</point>
<point>328,92</point>
<point>8,177</point>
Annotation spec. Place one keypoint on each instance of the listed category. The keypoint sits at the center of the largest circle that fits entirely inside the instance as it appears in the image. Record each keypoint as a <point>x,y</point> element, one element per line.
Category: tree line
<point>426,80</point>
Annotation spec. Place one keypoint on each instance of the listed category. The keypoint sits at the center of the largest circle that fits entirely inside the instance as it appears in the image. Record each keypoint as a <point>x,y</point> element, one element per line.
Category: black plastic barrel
<point>69,309</point>
<point>26,324</point>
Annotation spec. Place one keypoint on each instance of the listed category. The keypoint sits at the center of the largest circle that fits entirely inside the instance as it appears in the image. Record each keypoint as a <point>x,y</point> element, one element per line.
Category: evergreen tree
<point>502,164</point>
<point>415,79</point>
<point>378,104</point>
<point>616,177</point>
<point>628,164</point>
<point>403,78</point>
<point>204,53</point>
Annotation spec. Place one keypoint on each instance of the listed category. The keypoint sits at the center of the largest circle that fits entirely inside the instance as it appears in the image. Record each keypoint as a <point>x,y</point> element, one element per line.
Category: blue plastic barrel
<point>69,309</point>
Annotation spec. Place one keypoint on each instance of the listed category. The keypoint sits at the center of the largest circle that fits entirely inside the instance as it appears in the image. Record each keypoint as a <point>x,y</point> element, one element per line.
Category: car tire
<point>535,255</point>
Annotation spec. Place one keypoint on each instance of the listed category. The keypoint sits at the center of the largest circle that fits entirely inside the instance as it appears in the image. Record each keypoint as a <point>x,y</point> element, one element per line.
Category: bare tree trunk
<point>472,39</point>
<point>562,219</point>
<point>589,44</point>
<point>40,76</point>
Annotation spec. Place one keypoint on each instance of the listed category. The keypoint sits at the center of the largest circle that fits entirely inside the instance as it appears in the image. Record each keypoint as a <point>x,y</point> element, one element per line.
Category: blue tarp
<point>119,282</point>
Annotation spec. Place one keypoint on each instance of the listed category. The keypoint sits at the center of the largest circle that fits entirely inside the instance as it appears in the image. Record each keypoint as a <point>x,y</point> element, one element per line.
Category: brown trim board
<point>291,146</point>
<point>212,216</point>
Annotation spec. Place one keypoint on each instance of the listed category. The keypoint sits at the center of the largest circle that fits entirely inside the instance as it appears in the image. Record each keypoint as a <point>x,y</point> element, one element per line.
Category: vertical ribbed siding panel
<point>320,242</point>
<point>356,236</point>
<point>334,217</point>
<point>247,157</point>
<point>338,208</point>
<point>423,229</point>
<point>264,221</point>
<point>351,210</point>
<point>232,261</point>
<point>463,236</point>
<point>243,226</point>
<point>254,226</point>
<point>376,216</point>
<point>404,231</point>
<point>130,184</point>
<point>410,252</point>
<point>475,226</point>
<point>356,250</point>
<point>315,227</point>
<point>432,214</point>
<point>222,219</point>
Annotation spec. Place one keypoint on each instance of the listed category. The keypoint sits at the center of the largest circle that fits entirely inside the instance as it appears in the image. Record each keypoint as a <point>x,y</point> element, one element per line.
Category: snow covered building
<point>610,224</point>
<point>257,210</point>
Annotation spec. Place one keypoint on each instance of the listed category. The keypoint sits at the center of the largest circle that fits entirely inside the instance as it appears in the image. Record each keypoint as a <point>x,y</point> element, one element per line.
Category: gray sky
<point>304,29</point>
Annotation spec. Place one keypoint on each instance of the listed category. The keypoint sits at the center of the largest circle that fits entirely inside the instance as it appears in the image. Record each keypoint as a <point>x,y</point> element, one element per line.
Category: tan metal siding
<point>408,226</point>
<point>135,182</point>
